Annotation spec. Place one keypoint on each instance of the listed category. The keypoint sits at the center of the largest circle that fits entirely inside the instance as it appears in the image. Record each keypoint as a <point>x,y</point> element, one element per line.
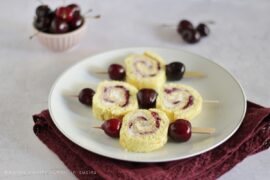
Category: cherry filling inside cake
<point>116,95</point>
<point>176,97</point>
<point>143,125</point>
<point>146,67</point>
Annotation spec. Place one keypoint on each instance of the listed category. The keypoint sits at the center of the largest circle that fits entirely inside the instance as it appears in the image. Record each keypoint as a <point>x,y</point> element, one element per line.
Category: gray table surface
<point>239,41</point>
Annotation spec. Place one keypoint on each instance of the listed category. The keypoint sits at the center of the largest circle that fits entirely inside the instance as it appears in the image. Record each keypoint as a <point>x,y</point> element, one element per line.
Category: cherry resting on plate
<point>112,127</point>
<point>180,130</point>
<point>147,98</point>
<point>86,96</point>
<point>116,72</point>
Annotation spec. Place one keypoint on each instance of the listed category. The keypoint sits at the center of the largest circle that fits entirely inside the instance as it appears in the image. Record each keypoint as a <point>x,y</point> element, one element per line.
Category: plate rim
<point>141,160</point>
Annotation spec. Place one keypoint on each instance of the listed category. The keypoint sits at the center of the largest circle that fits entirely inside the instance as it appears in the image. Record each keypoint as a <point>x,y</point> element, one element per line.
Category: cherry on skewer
<point>116,72</point>
<point>86,96</point>
<point>111,127</point>
<point>180,130</point>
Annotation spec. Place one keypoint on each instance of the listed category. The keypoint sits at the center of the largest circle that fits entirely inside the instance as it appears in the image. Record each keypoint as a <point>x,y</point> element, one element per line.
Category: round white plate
<point>76,122</point>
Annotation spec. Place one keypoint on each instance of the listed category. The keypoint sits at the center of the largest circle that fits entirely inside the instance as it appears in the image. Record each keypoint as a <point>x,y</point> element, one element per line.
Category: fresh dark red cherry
<point>184,24</point>
<point>203,29</point>
<point>191,36</point>
<point>116,72</point>
<point>76,22</point>
<point>86,96</point>
<point>42,23</point>
<point>180,130</point>
<point>75,9</point>
<point>59,26</point>
<point>64,13</point>
<point>175,71</point>
<point>42,11</point>
<point>112,127</point>
<point>147,98</point>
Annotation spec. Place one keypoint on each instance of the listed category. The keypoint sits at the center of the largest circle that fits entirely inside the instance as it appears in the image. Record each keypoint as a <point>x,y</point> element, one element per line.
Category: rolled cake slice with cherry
<point>145,70</point>
<point>144,130</point>
<point>179,101</point>
<point>113,99</point>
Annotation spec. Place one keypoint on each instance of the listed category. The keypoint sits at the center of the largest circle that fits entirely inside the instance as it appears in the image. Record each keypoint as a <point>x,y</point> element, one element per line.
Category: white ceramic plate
<point>76,122</point>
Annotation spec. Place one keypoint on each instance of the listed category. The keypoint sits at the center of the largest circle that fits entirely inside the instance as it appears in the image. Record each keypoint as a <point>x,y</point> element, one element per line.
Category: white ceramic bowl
<point>62,42</point>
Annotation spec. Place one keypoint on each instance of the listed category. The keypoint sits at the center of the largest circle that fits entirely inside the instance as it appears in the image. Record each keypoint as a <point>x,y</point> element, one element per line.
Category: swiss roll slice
<point>145,70</point>
<point>179,101</point>
<point>144,130</point>
<point>113,99</point>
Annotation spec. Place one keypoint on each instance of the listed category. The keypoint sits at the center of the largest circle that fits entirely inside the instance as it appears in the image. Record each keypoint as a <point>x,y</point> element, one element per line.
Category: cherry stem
<point>87,12</point>
<point>94,17</point>
<point>97,127</point>
<point>32,36</point>
<point>210,22</point>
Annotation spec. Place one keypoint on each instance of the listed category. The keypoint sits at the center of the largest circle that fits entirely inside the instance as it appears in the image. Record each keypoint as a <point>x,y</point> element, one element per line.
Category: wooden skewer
<point>188,74</point>
<point>211,101</point>
<point>191,74</point>
<point>101,72</point>
<point>201,130</point>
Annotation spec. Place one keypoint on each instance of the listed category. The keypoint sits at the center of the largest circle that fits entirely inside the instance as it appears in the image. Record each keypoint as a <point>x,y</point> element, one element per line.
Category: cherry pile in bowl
<point>191,34</point>
<point>61,20</point>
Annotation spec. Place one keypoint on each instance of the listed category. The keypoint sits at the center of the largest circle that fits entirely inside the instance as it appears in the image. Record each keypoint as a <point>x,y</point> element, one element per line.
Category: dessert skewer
<point>149,122</point>
<point>149,66</point>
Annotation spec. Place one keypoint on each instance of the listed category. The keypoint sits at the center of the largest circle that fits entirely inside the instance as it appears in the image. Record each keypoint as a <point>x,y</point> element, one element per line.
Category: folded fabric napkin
<point>253,136</point>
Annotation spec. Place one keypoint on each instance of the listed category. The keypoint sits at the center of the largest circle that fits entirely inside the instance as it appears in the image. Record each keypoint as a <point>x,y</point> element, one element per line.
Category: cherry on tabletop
<point>42,11</point>
<point>86,96</point>
<point>191,36</point>
<point>112,127</point>
<point>175,71</point>
<point>180,130</point>
<point>116,72</point>
<point>147,98</point>
<point>59,26</point>
<point>184,24</point>
<point>203,29</point>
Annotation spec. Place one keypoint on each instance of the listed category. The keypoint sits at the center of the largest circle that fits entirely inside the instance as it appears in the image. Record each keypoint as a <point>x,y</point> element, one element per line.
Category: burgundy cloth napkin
<point>253,136</point>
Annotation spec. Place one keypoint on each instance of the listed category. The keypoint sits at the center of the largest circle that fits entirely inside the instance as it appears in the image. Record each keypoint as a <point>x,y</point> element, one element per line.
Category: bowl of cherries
<point>59,29</point>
